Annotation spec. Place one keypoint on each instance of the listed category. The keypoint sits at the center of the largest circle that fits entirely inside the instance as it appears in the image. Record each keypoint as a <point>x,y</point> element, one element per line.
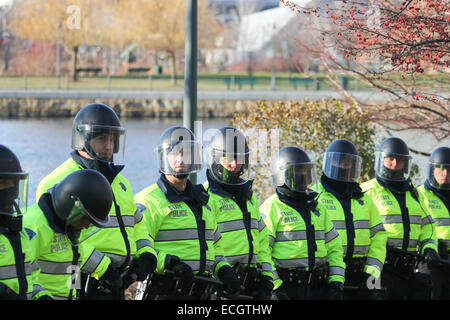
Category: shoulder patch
<point>31,234</point>
<point>123,186</point>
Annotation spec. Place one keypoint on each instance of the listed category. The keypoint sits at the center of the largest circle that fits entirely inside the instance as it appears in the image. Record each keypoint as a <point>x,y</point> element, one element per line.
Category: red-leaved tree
<point>398,47</point>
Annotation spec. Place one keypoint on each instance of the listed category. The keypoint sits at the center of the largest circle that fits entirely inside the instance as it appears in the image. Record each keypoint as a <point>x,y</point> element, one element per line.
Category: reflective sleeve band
<point>427,220</point>
<point>331,235</point>
<point>336,271</point>
<point>143,243</point>
<point>261,225</point>
<point>92,262</point>
<point>375,229</point>
<point>137,216</point>
<point>374,262</point>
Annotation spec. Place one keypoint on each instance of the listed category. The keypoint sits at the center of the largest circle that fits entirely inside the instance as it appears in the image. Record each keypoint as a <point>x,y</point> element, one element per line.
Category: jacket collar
<point>298,200</point>
<point>230,191</point>
<point>109,170</point>
<point>45,203</point>
<point>192,192</point>
<point>395,186</point>
<point>341,189</point>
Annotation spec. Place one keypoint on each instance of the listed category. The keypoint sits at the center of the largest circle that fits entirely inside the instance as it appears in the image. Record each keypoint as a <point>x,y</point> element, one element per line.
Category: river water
<point>43,144</point>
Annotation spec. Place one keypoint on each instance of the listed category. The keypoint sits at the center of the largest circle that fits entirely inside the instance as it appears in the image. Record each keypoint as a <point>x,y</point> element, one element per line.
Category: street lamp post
<point>190,69</point>
<point>58,54</point>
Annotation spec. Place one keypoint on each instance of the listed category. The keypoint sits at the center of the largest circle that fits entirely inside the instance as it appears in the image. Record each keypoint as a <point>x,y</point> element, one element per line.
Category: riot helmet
<point>341,161</point>
<point>228,157</point>
<point>439,168</point>
<point>291,167</point>
<point>82,200</point>
<point>13,190</point>
<point>179,153</point>
<point>96,129</point>
<point>392,160</point>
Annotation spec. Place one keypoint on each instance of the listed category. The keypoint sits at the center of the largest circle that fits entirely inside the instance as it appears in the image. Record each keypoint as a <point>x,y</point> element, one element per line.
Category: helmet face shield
<point>439,175</point>
<point>106,143</point>
<point>81,224</point>
<point>340,166</point>
<point>13,193</point>
<point>296,176</point>
<point>393,166</point>
<point>183,157</point>
<point>229,168</point>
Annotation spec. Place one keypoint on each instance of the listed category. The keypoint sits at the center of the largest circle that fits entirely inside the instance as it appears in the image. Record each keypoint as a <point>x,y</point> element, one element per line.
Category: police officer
<point>65,216</point>
<point>237,212</point>
<point>182,222</point>
<point>356,218</point>
<point>18,268</point>
<point>98,141</point>
<point>409,228</point>
<point>436,196</point>
<point>305,247</point>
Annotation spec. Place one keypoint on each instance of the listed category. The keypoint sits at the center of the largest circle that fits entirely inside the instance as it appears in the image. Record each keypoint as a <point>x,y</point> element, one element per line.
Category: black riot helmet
<point>439,168</point>
<point>13,190</point>
<point>97,122</point>
<point>228,156</point>
<point>83,197</point>
<point>292,167</point>
<point>341,161</point>
<point>179,153</point>
<point>393,151</point>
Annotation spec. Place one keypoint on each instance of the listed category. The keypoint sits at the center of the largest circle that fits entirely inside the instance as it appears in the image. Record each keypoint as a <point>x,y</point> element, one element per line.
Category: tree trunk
<point>174,68</point>
<point>75,62</point>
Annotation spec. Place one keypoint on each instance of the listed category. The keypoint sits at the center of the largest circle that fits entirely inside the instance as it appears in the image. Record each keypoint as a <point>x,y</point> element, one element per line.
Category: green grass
<point>164,82</point>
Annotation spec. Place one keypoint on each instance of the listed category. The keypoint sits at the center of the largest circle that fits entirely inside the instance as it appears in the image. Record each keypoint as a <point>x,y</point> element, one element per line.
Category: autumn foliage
<point>413,35</point>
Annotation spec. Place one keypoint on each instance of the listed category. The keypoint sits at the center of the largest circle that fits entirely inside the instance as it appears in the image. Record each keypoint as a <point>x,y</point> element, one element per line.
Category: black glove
<point>442,249</point>
<point>335,291</point>
<point>143,266</point>
<point>231,283</point>
<point>6,293</point>
<point>430,255</point>
<point>110,282</point>
<point>364,280</point>
<point>181,270</point>
<point>265,288</point>
<point>280,294</point>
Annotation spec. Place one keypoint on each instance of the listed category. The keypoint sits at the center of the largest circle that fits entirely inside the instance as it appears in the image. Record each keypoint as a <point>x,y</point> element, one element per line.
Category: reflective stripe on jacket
<point>437,209</point>
<point>422,226</point>
<point>370,235</point>
<point>109,241</point>
<point>174,227</point>
<point>8,265</point>
<point>288,241</point>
